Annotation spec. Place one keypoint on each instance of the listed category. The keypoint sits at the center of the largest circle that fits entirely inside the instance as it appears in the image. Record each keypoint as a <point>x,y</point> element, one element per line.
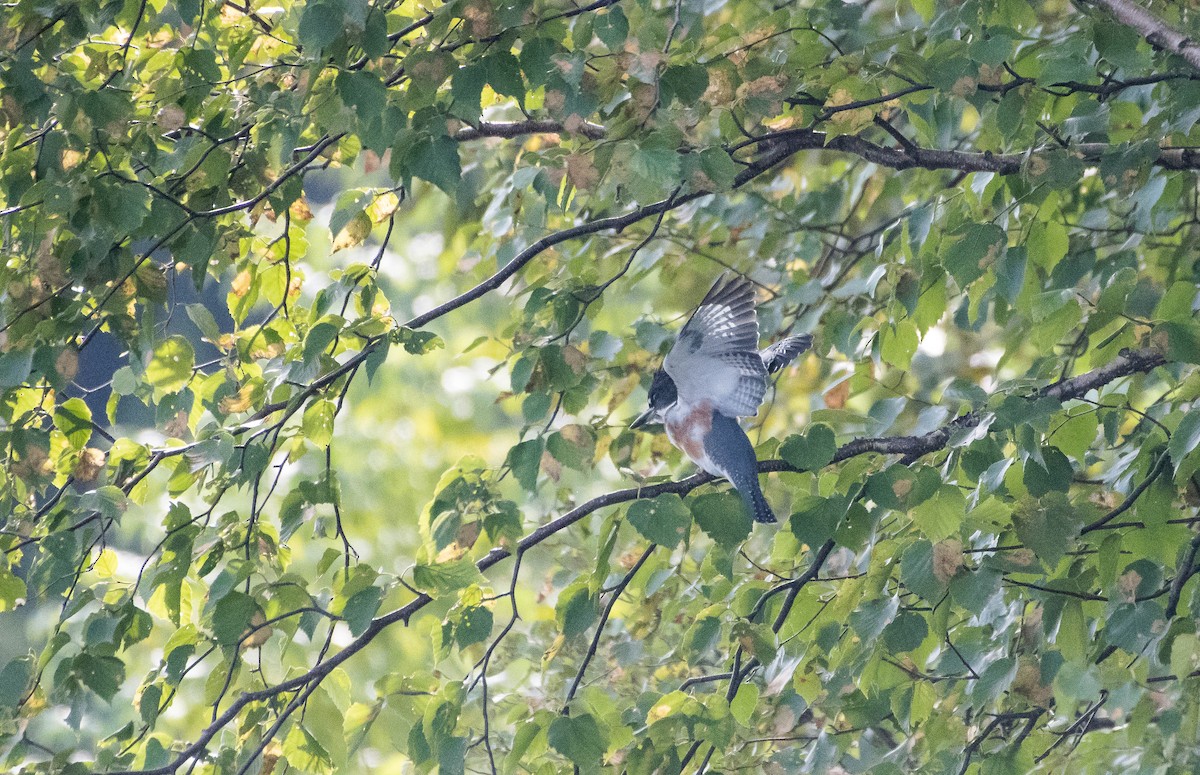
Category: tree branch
<point>1156,32</point>
<point>607,612</point>
<point>907,156</point>
<point>510,129</point>
<point>1127,363</point>
<point>1187,569</point>
<point>768,160</point>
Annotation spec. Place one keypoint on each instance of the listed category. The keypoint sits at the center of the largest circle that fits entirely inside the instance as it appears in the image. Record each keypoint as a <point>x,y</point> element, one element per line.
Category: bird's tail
<point>752,496</point>
<point>785,351</point>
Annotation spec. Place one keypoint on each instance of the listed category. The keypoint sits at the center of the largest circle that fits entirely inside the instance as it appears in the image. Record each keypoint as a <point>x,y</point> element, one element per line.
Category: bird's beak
<point>645,418</point>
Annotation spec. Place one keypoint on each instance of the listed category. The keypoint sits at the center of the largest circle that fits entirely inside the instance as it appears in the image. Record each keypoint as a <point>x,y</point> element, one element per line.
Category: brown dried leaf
<point>256,634</point>
<point>300,210</point>
<point>91,463</point>
<point>835,397</point>
<point>947,559</point>
<point>67,364</point>
<point>1128,585</point>
<point>551,467</point>
<point>241,284</point>
<point>238,402</point>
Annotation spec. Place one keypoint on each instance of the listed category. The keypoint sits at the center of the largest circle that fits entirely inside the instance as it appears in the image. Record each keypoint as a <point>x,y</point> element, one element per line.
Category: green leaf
<point>231,617</point>
<point>722,517</point>
<point>612,27</point>
<point>916,571</point>
<point>816,519</point>
<point>1182,341</point>
<point>720,167</point>
<point>1074,436</point>
<point>318,339</point>
<point>576,609</point>
<point>418,342</point>
<point>360,609</point>
<point>899,343</point>
<point>504,75</point>
<point>474,626</point>
<point>364,91</point>
<point>758,640</point>
<point>443,578</point>
<point>1052,474</point>
<point>664,520</point>
<point>701,638</point>
<point>980,246</point>
<point>942,515</point>
<point>437,162</point>
<point>1048,243</point>
<point>12,590</point>
<point>15,366</point>
<point>574,446</point>
<point>1047,527</point>
<point>580,739</point>
<point>102,674</point>
<point>901,487</point>
<point>1186,437</point>
<point>14,681</point>
<point>74,420</point>
<point>1118,44</point>
<point>744,702</point>
<point>906,632</point>
<point>525,459</point>
<point>170,366</point>
<point>1078,682</point>
<point>812,451</point>
<point>537,59</point>
<point>148,703</point>
<point>428,70</point>
<point>1131,626</point>
<point>686,83</point>
<point>204,320</point>
<point>320,25</point>
<point>993,681</point>
<point>466,91</point>
<point>869,619</point>
<point>318,422</point>
<point>126,206</point>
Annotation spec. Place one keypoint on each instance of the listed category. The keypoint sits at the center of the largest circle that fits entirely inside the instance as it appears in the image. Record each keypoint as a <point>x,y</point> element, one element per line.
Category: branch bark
<point>907,156</point>
<point>772,158</point>
<point>510,129</point>
<point>1156,32</point>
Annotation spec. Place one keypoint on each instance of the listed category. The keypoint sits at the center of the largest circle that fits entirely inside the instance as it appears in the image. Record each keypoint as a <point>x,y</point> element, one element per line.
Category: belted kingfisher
<point>714,374</point>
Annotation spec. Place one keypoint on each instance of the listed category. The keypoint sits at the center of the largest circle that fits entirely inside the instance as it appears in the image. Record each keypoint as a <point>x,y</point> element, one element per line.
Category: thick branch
<point>1128,362</point>
<point>907,156</point>
<point>912,156</point>
<point>1156,32</point>
<point>616,223</point>
<point>510,129</point>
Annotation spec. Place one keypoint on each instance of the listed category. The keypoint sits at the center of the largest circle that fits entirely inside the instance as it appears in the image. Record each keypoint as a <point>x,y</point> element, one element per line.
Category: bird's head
<point>662,395</point>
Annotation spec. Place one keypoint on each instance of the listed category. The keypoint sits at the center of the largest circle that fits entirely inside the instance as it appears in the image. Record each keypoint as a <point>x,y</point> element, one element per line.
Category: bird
<point>714,374</point>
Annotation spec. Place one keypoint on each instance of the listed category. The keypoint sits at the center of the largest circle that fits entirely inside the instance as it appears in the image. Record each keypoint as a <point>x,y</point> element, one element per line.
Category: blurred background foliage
<point>309,308</point>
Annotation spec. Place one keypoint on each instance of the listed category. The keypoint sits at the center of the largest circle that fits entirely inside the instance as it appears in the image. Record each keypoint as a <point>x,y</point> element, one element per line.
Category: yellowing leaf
<point>353,233</point>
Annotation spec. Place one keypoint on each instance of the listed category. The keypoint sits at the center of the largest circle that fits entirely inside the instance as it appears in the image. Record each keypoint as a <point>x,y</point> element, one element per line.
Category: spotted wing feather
<point>716,355</point>
<point>783,352</point>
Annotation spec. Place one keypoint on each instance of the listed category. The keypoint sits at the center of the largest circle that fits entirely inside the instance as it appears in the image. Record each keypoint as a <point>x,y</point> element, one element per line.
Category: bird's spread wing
<point>784,352</point>
<point>715,357</point>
